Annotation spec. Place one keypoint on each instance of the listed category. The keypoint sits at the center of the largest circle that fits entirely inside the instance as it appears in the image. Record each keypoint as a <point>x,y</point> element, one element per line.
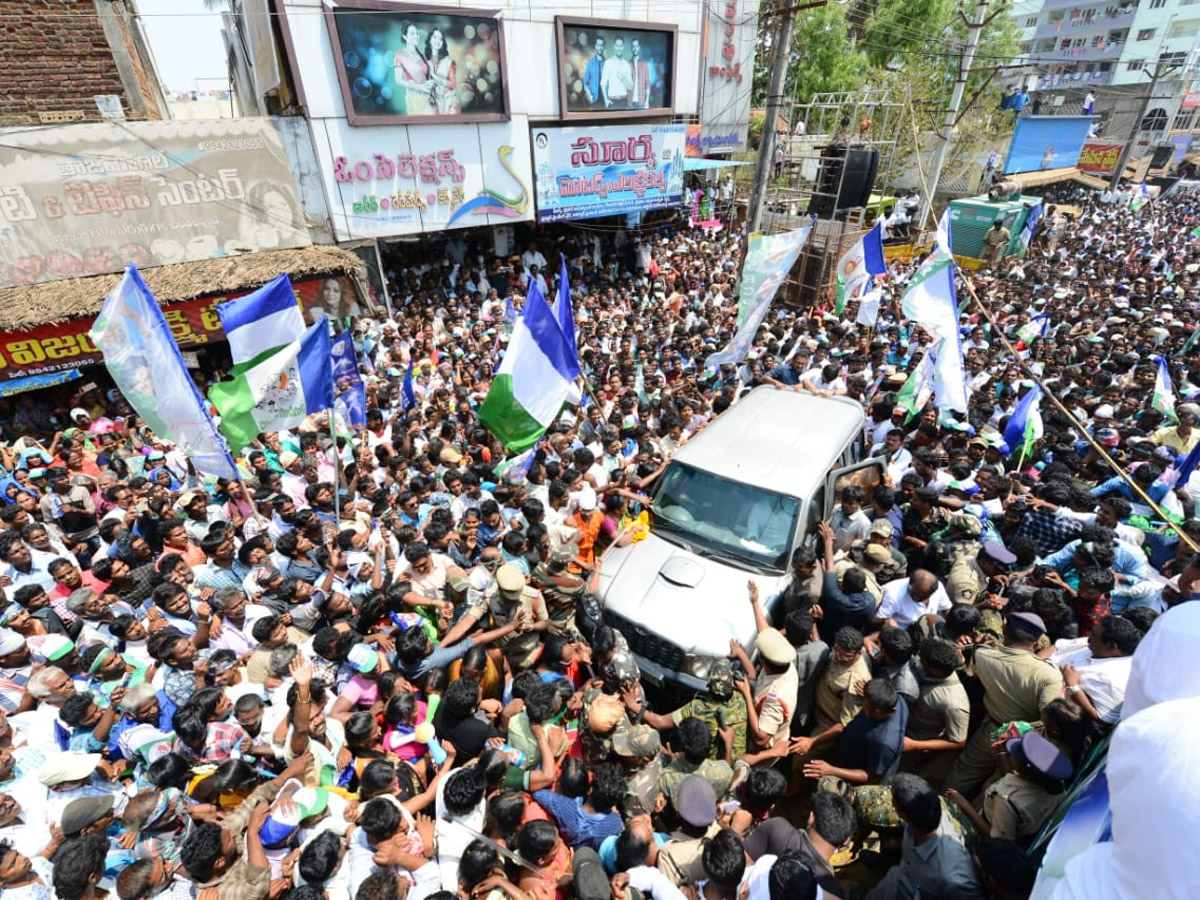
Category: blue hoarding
<point>582,173</point>
<point>1046,142</point>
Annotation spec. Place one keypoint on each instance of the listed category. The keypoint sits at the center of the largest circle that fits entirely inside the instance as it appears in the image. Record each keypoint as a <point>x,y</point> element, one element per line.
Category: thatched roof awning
<point>55,301</point>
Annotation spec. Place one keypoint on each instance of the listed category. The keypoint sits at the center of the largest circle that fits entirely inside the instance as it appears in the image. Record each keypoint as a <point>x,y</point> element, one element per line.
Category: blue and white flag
<point>1163,398</point>
<point>408,394</point>
<point>930,300</point>
<point>1038,326</point>
<point>279,390</point>
<point>1188,466</point>
<point>943,242</point>
<point>860,262</point>
<point>517,468</point>
<point>144,361</point>
<point>510,311</point>
<point>350,395</point>
<point>262,320</point>
<point>1025,424</point>
<point>868,308</point>
<point>1031,224</point>
<point>768,261</point>
<point>566,316</point>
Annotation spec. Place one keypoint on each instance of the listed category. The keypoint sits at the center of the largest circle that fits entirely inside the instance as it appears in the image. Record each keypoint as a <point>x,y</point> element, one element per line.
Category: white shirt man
<point>616,78</point>
<point>533,257</point>
<point>1103,679</point>
<point>901,607</point>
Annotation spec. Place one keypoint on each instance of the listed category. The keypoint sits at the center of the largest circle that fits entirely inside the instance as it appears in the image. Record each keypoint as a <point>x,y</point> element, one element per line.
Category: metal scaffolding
<point>816,138</point>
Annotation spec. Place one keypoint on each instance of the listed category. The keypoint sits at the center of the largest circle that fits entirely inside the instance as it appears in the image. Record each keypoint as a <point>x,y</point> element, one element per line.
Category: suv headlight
<point>698,665</point>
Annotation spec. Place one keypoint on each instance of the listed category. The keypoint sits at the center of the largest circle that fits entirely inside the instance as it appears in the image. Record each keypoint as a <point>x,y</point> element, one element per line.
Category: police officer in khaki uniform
<point>1017,687</point>
<point>504,601</point>
<point>970,577</point>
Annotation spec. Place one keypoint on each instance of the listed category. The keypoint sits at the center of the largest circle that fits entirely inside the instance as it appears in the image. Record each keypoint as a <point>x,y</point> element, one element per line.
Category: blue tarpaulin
<point>33,382</point>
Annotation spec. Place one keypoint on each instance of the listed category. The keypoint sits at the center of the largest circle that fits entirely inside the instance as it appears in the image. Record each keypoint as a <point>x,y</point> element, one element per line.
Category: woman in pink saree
<point>412,73</point>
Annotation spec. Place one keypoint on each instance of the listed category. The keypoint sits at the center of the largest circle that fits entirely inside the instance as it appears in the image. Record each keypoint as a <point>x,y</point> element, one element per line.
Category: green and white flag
<point>840,303</point>
<point>534,379</point>
<point>1164,395</point>
<point>1140,197</point>
<point>276,391</point>
<point>1192,340</point>
<point>918,388</point>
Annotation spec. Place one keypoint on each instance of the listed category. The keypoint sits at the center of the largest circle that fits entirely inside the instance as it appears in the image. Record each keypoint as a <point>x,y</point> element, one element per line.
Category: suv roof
<point>766,439</point>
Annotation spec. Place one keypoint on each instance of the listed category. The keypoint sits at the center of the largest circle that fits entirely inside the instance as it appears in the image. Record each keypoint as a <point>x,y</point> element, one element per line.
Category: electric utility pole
<point>950,123</point>
<point>1160,70</point>
<point>781,44</point>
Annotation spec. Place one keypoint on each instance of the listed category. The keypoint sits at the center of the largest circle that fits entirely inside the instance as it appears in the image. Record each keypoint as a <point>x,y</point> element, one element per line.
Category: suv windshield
<point>726,517</point>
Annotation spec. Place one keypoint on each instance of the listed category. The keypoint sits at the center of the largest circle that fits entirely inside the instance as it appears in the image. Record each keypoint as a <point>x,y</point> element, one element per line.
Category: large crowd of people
<point>364,671</point>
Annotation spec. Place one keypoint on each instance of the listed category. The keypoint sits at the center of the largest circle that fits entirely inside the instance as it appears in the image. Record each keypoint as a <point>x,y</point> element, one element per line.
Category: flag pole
<point>1046,392</point>
<point>337,473</point>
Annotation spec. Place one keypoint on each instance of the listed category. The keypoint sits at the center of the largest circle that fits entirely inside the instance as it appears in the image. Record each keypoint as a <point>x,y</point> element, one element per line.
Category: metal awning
<point>1046,176</point>
<point>697,164</point>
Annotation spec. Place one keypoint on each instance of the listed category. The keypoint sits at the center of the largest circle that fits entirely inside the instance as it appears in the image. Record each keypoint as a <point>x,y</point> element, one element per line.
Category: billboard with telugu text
<point>586,172</point>
<point>58,346</point>
<point>1046,142</point>
<point>409,179</point>
<point>1099,157</point>
<point>80,200</point>
<point>731,39</point>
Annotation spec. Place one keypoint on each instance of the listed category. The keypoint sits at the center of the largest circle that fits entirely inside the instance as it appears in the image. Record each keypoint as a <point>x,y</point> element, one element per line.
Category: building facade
<point>67,60</point>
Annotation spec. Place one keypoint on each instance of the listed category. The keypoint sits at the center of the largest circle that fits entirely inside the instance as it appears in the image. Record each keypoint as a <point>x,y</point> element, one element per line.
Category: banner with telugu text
<point>83,200</point>
<point>57,346</point>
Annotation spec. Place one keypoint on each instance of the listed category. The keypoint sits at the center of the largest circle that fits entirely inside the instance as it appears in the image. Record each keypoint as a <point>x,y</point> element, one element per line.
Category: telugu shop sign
<point>66,345</point>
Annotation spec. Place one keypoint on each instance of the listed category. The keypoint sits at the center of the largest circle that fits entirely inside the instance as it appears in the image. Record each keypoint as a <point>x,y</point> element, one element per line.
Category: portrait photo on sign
<point>333,297</point>
<point>612,68</point>
<point>397,62</point>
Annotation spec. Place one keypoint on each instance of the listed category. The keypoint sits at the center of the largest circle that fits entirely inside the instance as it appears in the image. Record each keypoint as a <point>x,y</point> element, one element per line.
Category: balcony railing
<point>1080,27</point>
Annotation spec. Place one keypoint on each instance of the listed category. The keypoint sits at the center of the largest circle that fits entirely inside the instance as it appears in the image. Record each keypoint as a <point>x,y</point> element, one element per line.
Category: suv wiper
<point>733,559</point>
<point>670,530</point>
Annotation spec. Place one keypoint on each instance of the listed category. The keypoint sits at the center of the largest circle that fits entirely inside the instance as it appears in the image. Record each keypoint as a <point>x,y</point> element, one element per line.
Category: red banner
<point>66,345</point>
<point>1099,157</point>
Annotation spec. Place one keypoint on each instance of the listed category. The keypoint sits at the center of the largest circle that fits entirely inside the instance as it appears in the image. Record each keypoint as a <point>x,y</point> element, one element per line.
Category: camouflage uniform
<point>888,571</point>
<point>874,810</point>
<point>621,667</point>
<point>717,773</point>
<point>723,700</point>
<point>639,742</point>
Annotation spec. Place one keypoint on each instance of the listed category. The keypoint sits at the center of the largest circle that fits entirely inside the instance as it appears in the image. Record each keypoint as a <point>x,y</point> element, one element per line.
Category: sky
<point>185,39</point>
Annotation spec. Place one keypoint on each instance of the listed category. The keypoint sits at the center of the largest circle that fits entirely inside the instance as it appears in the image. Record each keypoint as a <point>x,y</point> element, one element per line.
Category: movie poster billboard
<point>586,172</point>
<point>399,62</point>
<point>1046,142</point>
<point>612,68</point>
<point>81,200</point>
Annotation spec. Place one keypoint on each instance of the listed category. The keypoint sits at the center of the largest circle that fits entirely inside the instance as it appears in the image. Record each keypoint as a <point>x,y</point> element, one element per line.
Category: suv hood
<point>694,602</point>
